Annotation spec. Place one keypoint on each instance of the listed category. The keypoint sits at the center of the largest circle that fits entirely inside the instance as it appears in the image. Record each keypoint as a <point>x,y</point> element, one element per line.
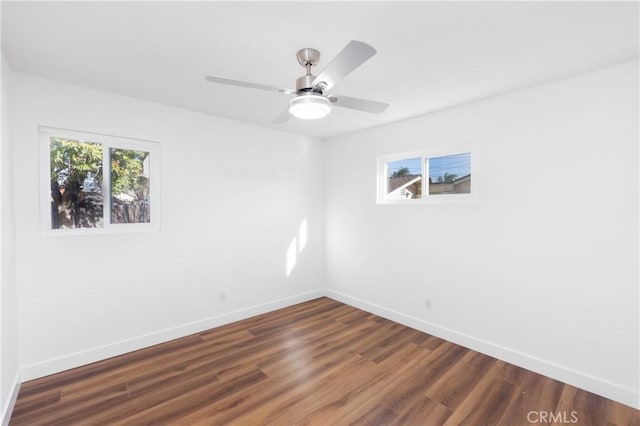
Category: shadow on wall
<point>297,245</point>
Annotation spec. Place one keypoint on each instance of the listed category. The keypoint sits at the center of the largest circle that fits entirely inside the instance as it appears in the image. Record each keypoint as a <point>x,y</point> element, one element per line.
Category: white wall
<point>233,198</point>
<point>8,300</point>
<point>543,270</point>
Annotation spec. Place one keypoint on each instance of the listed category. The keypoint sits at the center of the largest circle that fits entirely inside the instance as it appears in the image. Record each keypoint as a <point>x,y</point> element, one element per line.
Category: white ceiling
<point>431,55</point>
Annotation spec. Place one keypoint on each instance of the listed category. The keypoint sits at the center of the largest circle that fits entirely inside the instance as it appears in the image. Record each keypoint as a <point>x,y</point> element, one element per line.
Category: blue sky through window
<point>413,164</point>
<point>458,164</point>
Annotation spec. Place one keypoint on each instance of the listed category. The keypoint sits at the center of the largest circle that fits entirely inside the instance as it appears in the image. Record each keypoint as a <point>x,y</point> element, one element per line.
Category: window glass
<point>76,184</point>
<point>130,185</point>
<point>450,174</point>
<point>404,179</point>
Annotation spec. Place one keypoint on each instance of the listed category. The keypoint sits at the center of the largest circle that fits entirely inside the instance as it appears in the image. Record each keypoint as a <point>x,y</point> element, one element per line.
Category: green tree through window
<point>76,184</point>
<point>76,175</point>
<point>129,186</point>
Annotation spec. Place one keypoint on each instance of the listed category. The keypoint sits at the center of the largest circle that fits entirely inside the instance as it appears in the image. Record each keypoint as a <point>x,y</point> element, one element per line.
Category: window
<point>402,178</point>
<point>95,183</point>
<point>450,174</point>
<point>130,201</point>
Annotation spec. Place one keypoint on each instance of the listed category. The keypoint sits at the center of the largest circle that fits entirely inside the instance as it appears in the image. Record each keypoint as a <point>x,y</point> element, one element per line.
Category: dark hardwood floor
<point>319,362</point>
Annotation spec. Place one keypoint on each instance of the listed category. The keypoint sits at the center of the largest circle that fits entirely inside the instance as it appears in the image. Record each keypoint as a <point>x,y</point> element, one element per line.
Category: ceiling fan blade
<point>282,118</point>
<point>221,80</point>
<point>351,57</point>
<point>358,104</point>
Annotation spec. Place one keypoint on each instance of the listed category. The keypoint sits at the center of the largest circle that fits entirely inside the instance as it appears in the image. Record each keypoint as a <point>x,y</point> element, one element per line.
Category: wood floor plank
<point>191,401</point>
<point>71,412</point>
<point>267,318</point>
<point>330,396</point>
<point>119,372</point>
<point>486,404</point>
<point>274,326</point>
<point>590,409</point>
<point>389,345</point>
<point>621,415</point>
<point>294,377</point>
<point>90,371</point>
<point>270,400</point>
<point>286,401</point>
<point>319,362</point>
<point>432,342</point>
<point>458,381</point>
<point>34,402</point>
<point>177,360</point>
<point>545,389</point>
<point>353,316</point>
<point>509,372</point>
<point>353,343</point>
<point>411,386</point>
<point>379,415</point>
<point>365,397</point>
<point>519,409</point>
<point>139,403</point>
<point>323,345</point>
<point>423,411</point>
<point>360,394</point>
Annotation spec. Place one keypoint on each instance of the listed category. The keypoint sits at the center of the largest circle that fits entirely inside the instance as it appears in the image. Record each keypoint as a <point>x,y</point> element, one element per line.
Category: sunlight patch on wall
<point>297,245</point>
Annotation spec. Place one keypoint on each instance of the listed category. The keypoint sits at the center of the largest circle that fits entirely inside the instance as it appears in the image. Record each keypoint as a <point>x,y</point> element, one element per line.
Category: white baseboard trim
<point>564,374</point>
<point>77,359</point>
<point>7,409</point>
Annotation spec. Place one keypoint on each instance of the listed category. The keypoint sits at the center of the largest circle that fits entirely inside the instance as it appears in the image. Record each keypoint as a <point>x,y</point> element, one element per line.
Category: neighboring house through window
<point>405,187</point>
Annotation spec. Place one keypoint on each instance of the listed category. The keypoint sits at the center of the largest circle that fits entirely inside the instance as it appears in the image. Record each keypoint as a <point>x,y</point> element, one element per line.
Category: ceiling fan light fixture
<point>309,106</point>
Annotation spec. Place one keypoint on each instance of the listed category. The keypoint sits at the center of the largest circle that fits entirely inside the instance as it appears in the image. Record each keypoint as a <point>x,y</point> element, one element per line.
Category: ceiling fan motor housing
<point>303,84</point>
<point>307,58</point>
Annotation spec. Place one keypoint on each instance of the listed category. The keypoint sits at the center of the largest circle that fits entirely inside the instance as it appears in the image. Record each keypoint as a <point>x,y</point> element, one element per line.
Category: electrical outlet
<point>222,296</point>
<point>427,303</point>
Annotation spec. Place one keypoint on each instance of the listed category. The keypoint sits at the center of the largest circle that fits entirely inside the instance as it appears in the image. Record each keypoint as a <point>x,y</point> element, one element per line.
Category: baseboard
<point>7,409</point>
<point>581,380</point>
<point>77,359</point>
<point>564,374</point>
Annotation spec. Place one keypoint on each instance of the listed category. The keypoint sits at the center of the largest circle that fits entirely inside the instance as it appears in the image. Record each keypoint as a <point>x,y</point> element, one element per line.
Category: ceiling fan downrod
<point>307,58</point>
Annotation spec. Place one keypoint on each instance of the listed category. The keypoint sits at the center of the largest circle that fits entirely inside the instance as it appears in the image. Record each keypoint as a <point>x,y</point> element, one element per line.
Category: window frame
<point>425,155</point>
<point>108,142</point>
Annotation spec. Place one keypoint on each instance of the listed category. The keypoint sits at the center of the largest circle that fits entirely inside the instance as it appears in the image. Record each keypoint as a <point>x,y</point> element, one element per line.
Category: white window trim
<point>107,142</point>
<point>424,155</point>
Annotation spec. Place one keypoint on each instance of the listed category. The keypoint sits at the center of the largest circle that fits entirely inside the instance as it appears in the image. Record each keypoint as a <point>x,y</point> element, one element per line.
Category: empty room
<point>322,213</point>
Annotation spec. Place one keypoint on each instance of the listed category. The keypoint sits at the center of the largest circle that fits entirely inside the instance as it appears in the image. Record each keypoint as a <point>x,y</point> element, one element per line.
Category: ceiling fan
<point>313,98</point>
